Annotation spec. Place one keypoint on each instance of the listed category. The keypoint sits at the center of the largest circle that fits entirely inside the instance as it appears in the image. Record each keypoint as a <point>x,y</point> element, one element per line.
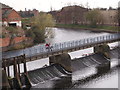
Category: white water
<point>64,35</point>
<point>107,81</point>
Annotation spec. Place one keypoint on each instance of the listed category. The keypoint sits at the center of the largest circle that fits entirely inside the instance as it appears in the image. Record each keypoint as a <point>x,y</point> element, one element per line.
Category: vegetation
<point>39,24</point>
<point>74,26</point>
<point>95,22</point>
<point>39,35</point>
<point>13,33</point>
<point>36,32</point>
<point>20,46</point>
<point>2,35</point>
<point>25,21</point>
<point>118,16</point>
<point>94,17</point>
<point>29,33</point>
<point>43,20</point>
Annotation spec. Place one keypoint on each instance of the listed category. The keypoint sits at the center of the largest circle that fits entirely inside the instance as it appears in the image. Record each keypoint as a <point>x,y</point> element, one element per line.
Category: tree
<point>25,21</point>
<point>94,17</point>
<point>13,33</point>
<point>119,13</point>
<point>43,20</point>
<point>29,33</point>
<point>118,16</point>
<point>39,25</point>
<point>39,36</point>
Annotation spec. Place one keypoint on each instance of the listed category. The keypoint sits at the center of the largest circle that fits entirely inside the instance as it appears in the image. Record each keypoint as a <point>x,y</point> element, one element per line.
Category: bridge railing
<point>29,52</point>
<point>70,44</point>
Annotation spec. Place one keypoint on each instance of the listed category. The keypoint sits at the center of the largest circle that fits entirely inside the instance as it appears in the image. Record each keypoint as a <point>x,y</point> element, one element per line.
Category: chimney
<point>25,9</point>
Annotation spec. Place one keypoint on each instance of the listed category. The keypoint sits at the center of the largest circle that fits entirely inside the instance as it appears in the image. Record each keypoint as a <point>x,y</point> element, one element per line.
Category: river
<point>108,80</point>
<point>60,35</point>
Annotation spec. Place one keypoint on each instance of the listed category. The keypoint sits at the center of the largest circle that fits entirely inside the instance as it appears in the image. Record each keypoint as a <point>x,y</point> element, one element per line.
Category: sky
<point>46,5</point>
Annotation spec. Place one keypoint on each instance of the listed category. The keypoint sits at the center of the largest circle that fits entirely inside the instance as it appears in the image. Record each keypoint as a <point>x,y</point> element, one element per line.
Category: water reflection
<point>63,35</point>
<point>108,79</point>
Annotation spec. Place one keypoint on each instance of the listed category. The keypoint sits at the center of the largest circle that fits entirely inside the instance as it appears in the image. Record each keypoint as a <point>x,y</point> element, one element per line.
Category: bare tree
<point>119,13</point>
<point>119,16</point>
<point>94,17</point>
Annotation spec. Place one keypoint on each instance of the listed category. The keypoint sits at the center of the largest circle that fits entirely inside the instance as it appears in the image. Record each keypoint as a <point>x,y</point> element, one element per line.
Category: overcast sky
<point>45,5</point>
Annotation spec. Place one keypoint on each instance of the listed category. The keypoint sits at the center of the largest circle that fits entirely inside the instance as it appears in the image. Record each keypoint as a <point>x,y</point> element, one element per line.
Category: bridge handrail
<point>75,43</point>
<point>70,44</point>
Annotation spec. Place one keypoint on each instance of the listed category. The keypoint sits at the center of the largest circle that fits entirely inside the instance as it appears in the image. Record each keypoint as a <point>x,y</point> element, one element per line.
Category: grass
<point>100,27</point>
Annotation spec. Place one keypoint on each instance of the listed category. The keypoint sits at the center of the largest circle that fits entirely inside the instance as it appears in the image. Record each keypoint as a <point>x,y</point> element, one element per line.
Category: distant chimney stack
<point>51,8</point>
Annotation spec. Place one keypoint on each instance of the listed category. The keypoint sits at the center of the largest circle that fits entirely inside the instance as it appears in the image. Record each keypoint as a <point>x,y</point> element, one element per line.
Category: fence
<point>68,45</point>
<point>57,47</point>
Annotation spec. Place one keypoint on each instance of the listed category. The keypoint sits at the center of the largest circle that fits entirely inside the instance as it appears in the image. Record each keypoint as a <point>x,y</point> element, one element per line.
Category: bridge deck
<point>58,48</point>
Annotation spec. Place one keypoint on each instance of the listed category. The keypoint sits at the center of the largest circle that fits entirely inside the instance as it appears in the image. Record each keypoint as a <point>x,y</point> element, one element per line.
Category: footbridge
<point>35,53</point>
<point>57,55</point>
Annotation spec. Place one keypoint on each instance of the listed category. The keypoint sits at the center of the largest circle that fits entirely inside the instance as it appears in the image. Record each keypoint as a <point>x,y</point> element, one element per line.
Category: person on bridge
<point>48,47</point>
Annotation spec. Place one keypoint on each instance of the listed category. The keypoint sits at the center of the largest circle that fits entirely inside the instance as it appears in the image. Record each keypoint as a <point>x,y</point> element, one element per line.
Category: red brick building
<point>10,17</point>
<point>70,15</point>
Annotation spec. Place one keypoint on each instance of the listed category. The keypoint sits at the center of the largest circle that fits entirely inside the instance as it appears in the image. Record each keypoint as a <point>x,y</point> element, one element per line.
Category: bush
<point>39,35</point>
<point>30,33</point>
<point>2,36</point>
<point>21,46</point>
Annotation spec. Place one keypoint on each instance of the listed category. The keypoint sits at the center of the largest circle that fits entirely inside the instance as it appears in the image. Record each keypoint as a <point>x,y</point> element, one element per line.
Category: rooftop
<point>5,6</point>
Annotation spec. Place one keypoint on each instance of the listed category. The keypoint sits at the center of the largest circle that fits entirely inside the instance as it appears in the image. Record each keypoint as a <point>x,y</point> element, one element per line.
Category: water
<point>107,80</point>
<point>84,74</point>
<point>61,35</point>
<point>61,80</point>
<point>47,73</point>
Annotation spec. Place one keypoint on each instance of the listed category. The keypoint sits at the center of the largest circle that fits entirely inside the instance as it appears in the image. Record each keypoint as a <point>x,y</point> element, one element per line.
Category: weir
<point>60,65</point>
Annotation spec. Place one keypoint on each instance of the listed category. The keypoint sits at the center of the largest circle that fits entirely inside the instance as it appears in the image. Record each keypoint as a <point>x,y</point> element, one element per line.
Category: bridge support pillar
<point>5,83</point>
<point>104,50</point>
<point>17,82</point>
<point>103,68</point>
<point>63,59</point>
<point>27,81</point>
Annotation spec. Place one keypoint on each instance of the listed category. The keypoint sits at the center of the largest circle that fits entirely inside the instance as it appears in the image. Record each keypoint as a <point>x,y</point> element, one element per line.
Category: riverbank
<point>110,29</point>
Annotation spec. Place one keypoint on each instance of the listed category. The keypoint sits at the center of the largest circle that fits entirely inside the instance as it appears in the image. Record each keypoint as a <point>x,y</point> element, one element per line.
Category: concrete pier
<point>63,59</point>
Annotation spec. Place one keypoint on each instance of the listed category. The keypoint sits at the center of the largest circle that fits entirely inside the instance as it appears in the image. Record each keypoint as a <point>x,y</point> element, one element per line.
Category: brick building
<point>76,15</point>
<point>70,15</point>
<point>10,17</point>
<point>110,16</point>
